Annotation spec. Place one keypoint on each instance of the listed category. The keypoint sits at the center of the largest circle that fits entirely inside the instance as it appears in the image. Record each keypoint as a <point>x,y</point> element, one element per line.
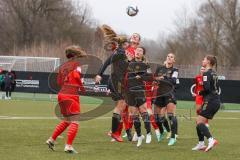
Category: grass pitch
<point>26,125</point>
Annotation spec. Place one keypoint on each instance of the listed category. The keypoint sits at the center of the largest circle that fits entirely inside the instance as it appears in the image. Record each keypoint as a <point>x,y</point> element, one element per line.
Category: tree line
<point>45,27</point>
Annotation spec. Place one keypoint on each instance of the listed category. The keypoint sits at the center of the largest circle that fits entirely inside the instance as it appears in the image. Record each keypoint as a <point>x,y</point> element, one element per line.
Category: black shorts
<point>117,89</point>
<point>135,97</point>
<point>164,101</point>
<point>209,109</point>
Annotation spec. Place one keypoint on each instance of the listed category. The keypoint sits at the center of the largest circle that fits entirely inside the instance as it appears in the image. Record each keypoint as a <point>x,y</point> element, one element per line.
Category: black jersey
<point>135,69</point>
<point>119,64</point>
<point>210,86</point>
<point>169,74</point>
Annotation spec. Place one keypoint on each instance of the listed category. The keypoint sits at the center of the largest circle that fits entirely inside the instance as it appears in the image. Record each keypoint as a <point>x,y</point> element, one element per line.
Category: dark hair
<point>143,48</point>
<point>213,60</point>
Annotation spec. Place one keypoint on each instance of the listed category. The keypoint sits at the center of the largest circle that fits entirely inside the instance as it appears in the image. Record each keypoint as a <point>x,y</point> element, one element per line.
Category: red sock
<point>153,122</point>
<point>59,129</point>
<point>125,118</point>
<point>72,132</point>
<point>198,111</point>
<point>149,102</point>
<point>206,122</point>
<point>120,127</point>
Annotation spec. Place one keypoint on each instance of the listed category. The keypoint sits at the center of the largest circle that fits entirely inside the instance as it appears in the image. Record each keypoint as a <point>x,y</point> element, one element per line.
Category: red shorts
<point>69,104</point>
<point>199,100</point>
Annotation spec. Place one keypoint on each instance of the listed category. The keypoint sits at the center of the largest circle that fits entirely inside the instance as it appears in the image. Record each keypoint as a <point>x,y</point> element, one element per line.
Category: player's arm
<point>105,65</point>
<point>77,75</point>
<point>146,74</point>
<point>156,74</point>
<point>98,77</point>
<point>174,78</point>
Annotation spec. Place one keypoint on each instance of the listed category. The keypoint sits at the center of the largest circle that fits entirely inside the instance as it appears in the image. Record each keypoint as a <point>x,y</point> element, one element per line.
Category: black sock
<point>166,125</point>
<point>204,130</point>
<point>146,119</point>
<point>137,125</point>
<point>200,135</point>
<point>177,127</point>
<point>173,123</point>
<point>159,123</point>
<point>116,118</point>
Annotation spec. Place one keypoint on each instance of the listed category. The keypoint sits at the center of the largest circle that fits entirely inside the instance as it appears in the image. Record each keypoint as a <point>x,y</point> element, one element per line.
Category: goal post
<point>29,64</point>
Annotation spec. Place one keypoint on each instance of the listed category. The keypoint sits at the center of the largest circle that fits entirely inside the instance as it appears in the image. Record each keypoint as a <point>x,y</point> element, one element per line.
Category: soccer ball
<point>131,11</point>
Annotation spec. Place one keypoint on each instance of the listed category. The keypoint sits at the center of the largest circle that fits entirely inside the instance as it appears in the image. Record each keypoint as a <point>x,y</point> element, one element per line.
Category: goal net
<point>30,64</point>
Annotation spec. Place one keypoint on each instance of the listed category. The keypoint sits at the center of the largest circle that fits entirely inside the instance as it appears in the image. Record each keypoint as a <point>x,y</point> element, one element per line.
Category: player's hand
<point>108,92</point>
<point>194,95</point>
<point>138,77</point>
<point>155,83</point>
<point>98,79</point>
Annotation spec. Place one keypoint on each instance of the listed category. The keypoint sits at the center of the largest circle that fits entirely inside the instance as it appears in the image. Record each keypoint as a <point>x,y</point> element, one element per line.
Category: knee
<point>117,116</point>
<point>145,116</point>
<point>200,126</point>
<point>170,116</point>
<point>135,117</point>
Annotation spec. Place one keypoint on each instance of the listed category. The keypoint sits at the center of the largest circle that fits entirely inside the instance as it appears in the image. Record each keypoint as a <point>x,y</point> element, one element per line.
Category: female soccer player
<point>127,121</point>
<point>198,87</point>
<point>167,103</point>
<point>211,104</point>
<point>69,79</point>
<point>149,95</point>
<point>119,61</point>
<point>135,94</point>
<point>123,110</point>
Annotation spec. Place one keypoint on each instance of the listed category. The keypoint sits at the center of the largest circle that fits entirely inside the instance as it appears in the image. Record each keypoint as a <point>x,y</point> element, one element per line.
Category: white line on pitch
<point>100,118</point>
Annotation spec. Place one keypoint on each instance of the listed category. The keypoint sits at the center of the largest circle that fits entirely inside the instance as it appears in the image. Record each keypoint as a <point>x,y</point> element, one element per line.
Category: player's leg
<point>72,133</point>
<point>146,119</point>
<point>58,131</point>
<point>134,113</point>
<point>127,121</point>
<point>116,119</point>
<point>199,104</point>
<point>159,117</point>
<point>7,92</point>
<point>207,113</point>
<point>201,144</point>
<point>61,127</point>
<point>166,126</point>
<point>171,108</point>
<point>152,117</point>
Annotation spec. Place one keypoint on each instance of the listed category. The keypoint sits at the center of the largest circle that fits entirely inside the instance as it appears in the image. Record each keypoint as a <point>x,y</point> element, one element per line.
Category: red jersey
<point>199,84</point>
<point>148,89</point>
<point>131,51</point>
<point>69,78</point>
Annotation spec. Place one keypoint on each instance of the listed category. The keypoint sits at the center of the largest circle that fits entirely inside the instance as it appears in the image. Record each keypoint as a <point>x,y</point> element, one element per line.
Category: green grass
<point>25,138</point>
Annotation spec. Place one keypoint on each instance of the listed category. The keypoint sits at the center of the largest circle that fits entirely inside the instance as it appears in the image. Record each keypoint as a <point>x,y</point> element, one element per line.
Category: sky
<point>155,17</point>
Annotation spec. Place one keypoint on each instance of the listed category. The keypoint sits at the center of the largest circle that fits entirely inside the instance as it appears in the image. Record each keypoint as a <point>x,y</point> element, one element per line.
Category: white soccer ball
<point>131,11</point>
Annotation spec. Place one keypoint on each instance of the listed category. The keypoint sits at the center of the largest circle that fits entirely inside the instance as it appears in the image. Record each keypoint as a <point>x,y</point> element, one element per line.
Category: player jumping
<point>135,94</point>
<point>167,103</point>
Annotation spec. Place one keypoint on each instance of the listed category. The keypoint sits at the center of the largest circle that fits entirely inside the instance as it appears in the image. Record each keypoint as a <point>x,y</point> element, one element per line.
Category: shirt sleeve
<point>105,65</point>
<point>206,83</point>
<point>173,79</point>
<point>77,75</point>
